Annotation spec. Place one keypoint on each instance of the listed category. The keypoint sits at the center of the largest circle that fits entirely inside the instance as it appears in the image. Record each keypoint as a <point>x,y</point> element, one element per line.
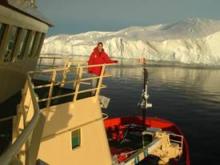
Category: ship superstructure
<point>22,32</point>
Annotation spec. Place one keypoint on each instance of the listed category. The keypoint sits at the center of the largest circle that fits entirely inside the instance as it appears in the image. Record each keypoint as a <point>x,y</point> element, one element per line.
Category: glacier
<point>193,41</point>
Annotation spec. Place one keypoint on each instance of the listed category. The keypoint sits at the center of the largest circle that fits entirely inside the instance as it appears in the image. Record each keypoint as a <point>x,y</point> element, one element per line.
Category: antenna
<point>143,103</point>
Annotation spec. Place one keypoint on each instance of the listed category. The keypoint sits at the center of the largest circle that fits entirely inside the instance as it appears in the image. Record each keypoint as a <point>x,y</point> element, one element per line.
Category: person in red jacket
<point>98,56</point>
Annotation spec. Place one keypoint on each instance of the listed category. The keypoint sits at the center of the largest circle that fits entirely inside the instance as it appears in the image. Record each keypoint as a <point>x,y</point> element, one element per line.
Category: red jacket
<point>98,58</point>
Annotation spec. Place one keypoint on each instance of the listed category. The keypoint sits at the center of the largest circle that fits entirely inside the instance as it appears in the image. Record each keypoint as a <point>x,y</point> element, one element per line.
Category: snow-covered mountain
<point>191,41</point>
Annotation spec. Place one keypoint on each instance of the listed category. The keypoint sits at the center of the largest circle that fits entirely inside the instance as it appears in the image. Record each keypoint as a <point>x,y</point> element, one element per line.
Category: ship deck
<point>57,90</point>
<point>9,107</point>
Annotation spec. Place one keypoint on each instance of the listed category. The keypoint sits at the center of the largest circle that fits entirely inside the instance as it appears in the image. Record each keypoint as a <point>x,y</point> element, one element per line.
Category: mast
<point>143,103</point>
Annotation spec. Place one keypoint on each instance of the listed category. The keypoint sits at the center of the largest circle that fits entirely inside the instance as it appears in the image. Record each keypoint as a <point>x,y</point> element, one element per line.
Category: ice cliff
<point>191,41</point>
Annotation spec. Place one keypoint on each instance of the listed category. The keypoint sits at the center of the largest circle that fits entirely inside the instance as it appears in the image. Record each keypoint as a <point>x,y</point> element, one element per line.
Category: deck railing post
<point>53,63</point>
<point>35,140</point>
<point>100,80</point>
<point>39,63</point>
<point>65,71</point>
<point>53,79</point>
<point>76,76</point>
<point>78,80</point>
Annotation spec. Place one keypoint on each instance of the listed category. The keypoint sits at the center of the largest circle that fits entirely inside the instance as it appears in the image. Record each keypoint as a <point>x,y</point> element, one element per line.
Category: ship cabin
<point>22,32</point>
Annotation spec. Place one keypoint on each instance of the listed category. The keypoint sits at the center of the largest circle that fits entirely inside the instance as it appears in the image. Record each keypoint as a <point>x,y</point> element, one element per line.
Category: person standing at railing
<point>98,56</point>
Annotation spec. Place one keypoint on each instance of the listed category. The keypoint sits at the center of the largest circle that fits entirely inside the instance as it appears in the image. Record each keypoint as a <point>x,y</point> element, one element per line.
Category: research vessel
<point>60,117</point>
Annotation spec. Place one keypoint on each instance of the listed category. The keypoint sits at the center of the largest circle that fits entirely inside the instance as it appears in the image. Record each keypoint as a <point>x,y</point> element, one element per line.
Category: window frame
<point>19,54</point>
<point>10,43</point>
<point>36,43</point>
<point>26,48</point>
<point>31,43</point>
<point>2,30</point>
<point>43,35</point>
<point>19,43</point>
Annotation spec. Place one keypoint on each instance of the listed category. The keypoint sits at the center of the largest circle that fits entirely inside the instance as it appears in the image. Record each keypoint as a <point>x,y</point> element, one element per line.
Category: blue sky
<point>76,16</point>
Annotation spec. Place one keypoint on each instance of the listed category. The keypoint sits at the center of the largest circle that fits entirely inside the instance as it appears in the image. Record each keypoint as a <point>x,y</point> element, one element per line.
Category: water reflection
<point>188,97</point>
<point>200,82</point>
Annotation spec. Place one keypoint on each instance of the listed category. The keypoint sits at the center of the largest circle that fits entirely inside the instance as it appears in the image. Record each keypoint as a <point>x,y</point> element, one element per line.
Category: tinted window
<point>35,44</point>
<point>40,44</point>
<point>76,139</point>
<point>1,32</point>
<point>24,47</point>
<point>21,47</point>
<point>11,44</point>
<point>2,28</point>
<point>31,44</point>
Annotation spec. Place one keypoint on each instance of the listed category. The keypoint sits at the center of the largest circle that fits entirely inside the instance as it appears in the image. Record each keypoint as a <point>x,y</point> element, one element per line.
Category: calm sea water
<point>188,97</point>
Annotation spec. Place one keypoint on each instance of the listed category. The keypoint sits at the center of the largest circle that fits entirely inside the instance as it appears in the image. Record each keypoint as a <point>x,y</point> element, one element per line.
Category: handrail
<point>68,82</point>
<point>14,148</point>
<point>6,118</point>
<point>61,74</point>
<point>69,94</point>
<point>180,142</point>
<point>62,68</point>
<point>53,59</point>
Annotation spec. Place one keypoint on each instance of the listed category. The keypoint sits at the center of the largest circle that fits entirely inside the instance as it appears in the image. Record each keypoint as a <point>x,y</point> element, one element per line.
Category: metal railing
<point>13,151</point>
<point>73,77</point>
<point>29,120</point>
<point>178,139</point>
<point>57,61</point>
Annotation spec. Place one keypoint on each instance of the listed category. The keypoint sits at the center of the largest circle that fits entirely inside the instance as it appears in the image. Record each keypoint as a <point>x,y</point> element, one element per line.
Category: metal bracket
<point>104,101</point>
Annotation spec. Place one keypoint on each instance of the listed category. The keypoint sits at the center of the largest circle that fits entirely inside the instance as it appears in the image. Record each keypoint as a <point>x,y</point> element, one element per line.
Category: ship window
<point>1,31</point>
<point>31,44</point>
<point>11,44</point>
<point>25,44</point>
<point>35,44</point>
<point>76,138</point>
<point>40,44</point>
<point>21,47</point>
